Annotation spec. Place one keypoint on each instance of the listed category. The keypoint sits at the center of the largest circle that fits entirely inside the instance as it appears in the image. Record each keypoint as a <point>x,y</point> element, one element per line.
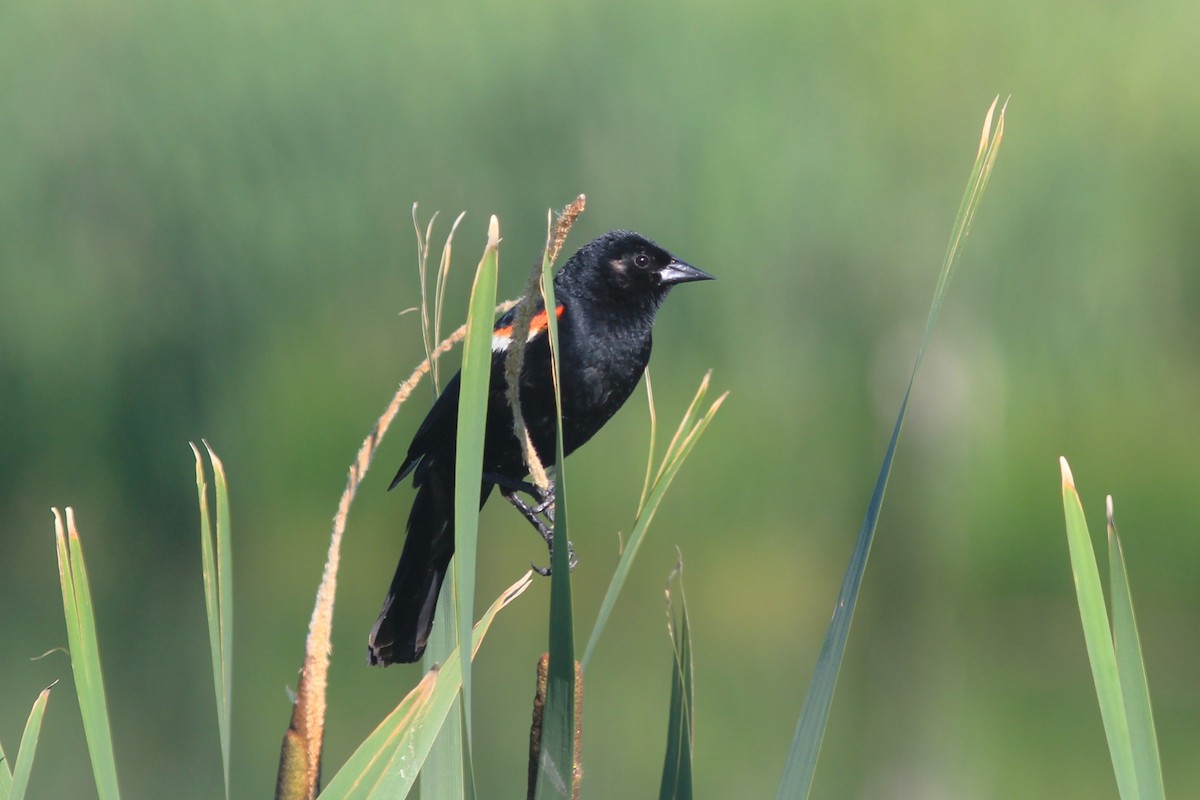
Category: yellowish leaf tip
<point>1067,478</point>
<point>217,465</point>
<point>493,232</point>
<point>518,588</point>
<point>1108,510</point>
<point>987,127</point>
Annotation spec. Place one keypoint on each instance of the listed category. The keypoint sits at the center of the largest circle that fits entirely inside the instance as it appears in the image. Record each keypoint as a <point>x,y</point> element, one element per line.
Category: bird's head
<point>626,269</point>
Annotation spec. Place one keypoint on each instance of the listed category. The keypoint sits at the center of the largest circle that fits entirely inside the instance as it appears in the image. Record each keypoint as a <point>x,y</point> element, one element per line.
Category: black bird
<point>607,295</point>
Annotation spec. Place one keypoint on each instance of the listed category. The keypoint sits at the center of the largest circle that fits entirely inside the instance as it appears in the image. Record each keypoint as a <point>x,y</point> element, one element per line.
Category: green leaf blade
<point>1098,638</point>
<point>19,780</point>
<point>810,730</point>
<point>85,656</point>
<point>472,419</point>
<point>441,775</point>
<point>556,760</point>
<point>5,775</point>
<point>388,761</point>
<point>686,436</point>
<point>217,570</point>
<point>677,762</point>
<point>208,567</point>
<point>1131,668</point>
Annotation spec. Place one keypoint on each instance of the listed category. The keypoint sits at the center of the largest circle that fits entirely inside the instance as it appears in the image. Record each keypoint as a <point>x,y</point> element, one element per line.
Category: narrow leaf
<point>85,655</point>
<point>427,336</point>
<point>439,302</point>
<point>1098,636</point>
<point>5,775</point>
<point>1135,688</point>
<point>556,767</point>
<point>442,774</point>
<point>810,731</point>
<point>686,436</point>
<point>216,561</point>
<point>19,781</point>
<point>472,420</point>
<point>677,763</point>
<point>388,761</point>
<point>208,564</point>
<point>648,481</point>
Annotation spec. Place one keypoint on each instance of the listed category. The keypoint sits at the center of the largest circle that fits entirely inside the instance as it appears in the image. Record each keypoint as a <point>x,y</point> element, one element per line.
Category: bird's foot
<point>543,498</point>
<point>539,514</point>
<point>572,561</point>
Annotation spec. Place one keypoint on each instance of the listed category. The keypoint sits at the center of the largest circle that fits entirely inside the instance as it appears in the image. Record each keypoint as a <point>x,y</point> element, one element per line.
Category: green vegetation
<point>1115,652</point>
<point>204,232</point>
<point>810,732</point>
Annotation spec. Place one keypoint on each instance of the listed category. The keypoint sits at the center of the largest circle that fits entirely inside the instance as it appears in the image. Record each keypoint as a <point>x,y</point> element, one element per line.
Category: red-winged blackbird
<point>607,295</point>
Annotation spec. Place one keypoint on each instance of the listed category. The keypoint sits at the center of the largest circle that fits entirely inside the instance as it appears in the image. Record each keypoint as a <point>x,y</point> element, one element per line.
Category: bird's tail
<point>404,623</point>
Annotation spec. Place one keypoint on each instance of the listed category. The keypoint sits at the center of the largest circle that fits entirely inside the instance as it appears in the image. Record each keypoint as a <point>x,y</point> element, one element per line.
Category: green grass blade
<point>442,774</point>
<point>18,782</point>
<point>1132,671</point>
<point>431,311</point>
<point>1098,636</point>
<point>556,760</point>
<point>439,302</point>
<point>208,563</point>
<point>677,763</point>
<point>366,773</point>
<point>85,655</point>
<point>388,761</point>
<point>810,730</point>
<point>472,418</point>
<point>427,337</point>
<point>225,593</point>
<point>217,567</point>
<point>5,775</point>
<point>689,432</point>
<point>648,481</point>
<point>685,425</point>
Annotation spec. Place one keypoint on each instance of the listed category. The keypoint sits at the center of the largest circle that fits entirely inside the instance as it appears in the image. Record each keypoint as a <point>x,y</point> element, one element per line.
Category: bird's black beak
<point>682,272</point>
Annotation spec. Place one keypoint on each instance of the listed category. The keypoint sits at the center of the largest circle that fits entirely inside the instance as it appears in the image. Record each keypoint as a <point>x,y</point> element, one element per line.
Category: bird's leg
<point>508,485</point>
<point>533,513</point>
<point>540,514</point>
<point>545,500</point>
<point>543,505</point>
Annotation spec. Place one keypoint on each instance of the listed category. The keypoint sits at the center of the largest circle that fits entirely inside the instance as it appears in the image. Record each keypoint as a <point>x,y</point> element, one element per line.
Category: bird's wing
<point>439,426</point>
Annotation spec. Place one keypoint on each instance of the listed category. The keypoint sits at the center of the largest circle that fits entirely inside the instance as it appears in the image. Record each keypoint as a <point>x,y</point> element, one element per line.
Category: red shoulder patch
<point>537,324</point>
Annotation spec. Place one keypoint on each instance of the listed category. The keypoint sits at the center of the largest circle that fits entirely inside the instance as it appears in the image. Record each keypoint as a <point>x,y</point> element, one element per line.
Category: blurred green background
<point>204,232</point>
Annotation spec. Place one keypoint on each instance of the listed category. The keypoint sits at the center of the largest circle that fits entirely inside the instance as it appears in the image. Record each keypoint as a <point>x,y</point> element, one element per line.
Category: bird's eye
<point>641,260</point>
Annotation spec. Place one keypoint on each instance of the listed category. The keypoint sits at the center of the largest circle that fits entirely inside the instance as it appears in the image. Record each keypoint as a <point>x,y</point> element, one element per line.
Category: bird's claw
<point>572,560</point>
<point>540,515</point>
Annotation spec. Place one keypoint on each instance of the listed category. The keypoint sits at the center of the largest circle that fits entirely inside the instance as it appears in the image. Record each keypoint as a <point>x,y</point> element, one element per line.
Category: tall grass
<point>435,717</point>
<point>1115,653</point>
<point>801,764</point>
<point>85,654</point>
<point>217,560</point>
